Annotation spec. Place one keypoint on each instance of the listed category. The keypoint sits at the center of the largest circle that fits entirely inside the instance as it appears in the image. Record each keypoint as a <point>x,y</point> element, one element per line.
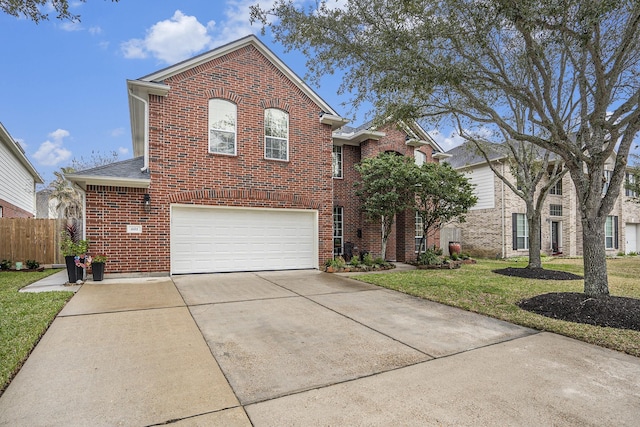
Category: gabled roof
<point>152,84</point>
<point>416,136</point>
<point>18,153</point>
<point>126,173</point>
<point>467,155</point>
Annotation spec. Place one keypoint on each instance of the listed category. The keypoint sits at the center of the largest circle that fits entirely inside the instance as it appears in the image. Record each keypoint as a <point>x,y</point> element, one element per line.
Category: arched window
<point>276,134</point>
<point>222,126</point>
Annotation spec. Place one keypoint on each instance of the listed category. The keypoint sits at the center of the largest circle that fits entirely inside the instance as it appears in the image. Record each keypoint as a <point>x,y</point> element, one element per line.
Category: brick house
<point>18,179</point>
<point>496,225</point>
<point>232,170</point>
<point>351,230</point>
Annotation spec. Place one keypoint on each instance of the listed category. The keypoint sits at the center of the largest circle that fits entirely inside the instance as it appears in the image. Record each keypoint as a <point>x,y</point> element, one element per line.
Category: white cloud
<point>71,26</point>
<point>171,40</point>
<point>447,142</point>
<point>183,36</point>
<point>117,132</point>
<point>95,30</point>
<point>123,150</point>
<point>52,153</point>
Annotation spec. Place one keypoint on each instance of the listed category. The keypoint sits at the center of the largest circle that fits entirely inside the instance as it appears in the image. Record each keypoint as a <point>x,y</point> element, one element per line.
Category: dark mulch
<point>609,311</point>
<point>538,273</point>
<point>613,312</point>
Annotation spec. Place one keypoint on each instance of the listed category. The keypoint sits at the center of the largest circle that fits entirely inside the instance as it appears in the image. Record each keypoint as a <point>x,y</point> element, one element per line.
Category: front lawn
<point>24,317</point>
<point>476,288</point>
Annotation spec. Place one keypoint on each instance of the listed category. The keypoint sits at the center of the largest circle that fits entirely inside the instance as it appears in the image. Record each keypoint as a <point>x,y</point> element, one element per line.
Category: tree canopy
<point>32,9</point>
<point>571,67</point>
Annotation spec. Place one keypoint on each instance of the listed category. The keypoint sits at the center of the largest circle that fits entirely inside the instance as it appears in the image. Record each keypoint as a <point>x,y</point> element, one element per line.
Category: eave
<point>84,180</point>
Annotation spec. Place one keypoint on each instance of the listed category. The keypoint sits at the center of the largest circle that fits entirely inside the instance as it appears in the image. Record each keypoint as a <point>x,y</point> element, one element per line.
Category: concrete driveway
<point>305,348</point>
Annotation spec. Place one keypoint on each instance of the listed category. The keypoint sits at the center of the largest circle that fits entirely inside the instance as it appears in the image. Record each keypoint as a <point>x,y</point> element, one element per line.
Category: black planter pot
<point>72,271</point>
<point>98,271</point>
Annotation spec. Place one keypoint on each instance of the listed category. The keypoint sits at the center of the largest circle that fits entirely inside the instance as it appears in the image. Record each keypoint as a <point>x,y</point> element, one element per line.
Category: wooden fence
<point>29,238</point>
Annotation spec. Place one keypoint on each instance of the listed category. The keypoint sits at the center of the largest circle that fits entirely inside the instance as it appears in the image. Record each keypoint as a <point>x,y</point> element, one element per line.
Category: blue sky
<point>63,85</point>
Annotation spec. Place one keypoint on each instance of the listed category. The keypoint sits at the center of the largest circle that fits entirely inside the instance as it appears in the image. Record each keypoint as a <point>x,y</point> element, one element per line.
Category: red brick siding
<point>183,171</point>
<point>10,210</point>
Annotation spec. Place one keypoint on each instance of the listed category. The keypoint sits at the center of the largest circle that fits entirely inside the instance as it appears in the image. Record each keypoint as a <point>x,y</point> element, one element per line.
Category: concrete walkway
<point>55,282</point>
<point>305,348</point>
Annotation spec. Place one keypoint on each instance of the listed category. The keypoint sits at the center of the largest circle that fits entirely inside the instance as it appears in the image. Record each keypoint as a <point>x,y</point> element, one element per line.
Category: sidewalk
<point>55,282</point>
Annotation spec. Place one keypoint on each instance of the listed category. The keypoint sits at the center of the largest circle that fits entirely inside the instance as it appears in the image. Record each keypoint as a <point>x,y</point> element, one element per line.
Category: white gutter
<point>145,166</point>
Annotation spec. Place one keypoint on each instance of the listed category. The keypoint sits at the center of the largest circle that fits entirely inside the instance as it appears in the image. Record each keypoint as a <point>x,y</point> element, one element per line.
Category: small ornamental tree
<point>386,187</point>
<point>441,195</point>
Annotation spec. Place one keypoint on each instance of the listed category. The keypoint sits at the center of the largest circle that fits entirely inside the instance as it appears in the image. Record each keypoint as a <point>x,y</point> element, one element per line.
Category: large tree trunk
<point>596,281</point>
<point>533,218</point>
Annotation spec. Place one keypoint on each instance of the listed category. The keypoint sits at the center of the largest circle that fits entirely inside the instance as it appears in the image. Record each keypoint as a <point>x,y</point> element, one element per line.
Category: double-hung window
<point>276,134</point>
<point>222,127</point>
<point>338,226</point>
<point>607,180</point>
<point>520,231</point>
<point>611,232</point>
<point>630,179</point>
<point>555,210</point>
<point>556,189</point>
<point>419,157</point>
<point>421,245</point>
<point>336,158</point>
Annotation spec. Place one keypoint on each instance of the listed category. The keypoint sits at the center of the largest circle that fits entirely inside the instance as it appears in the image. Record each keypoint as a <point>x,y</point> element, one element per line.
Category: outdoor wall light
<point>147,203</point>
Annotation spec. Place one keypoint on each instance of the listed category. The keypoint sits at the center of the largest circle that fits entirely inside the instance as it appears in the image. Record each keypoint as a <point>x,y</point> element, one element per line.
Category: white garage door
<point>218,239</point>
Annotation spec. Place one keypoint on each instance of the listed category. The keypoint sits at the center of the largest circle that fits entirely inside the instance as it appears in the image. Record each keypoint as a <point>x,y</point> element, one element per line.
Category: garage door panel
<point>214,239</point>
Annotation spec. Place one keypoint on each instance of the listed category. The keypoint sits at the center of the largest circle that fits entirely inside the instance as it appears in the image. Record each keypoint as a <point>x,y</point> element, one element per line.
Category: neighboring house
<point>18,179</point>
<point>496,226</point>
<point>232,171</point>
<point>46,206</point>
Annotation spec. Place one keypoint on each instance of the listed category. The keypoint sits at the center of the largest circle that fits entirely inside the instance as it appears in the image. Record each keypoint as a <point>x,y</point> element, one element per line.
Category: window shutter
<point>615,232</point>
<point>514,230</point>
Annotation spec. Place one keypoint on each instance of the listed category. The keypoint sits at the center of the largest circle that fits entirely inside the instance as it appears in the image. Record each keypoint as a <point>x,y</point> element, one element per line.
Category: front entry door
<point>555,237</point>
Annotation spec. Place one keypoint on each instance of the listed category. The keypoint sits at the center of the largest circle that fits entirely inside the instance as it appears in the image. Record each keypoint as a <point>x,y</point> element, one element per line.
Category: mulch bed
<point>607,311</point>
<point>538,273</point>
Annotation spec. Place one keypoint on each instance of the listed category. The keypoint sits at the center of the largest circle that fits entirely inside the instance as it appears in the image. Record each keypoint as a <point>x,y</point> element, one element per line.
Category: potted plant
<point>82,262</point>
<point>71,247</point>
<point>97,267</point>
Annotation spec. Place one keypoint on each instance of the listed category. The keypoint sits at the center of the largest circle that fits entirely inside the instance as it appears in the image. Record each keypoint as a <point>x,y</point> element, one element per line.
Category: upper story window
<point>336,161</point>
<point>276,134</point>
<point>420,157</point>
<point>630,179</point>
<point>222,126</point>
<point>555,210</point>
<point>607,180</point>
<point>556,189</point>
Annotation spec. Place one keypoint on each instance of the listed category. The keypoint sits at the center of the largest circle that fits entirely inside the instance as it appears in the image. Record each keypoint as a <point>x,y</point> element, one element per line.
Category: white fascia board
<point>84,180</point>
<point>357,137</point>
<point>480,163</point>
<point>441,155</point>
<point>136,111</point>
<point>333,120</point>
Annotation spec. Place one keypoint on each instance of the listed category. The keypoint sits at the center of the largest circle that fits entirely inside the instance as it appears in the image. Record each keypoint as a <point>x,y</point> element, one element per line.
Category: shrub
<point>32,264</point>
<point>430,257</point>
<point>454,256</point>
<point>632,253</point>
<point>379,261</point>
<point>367,259</point>
<point>621,253</point>
<point>355,261</point>
<point>5,264</point>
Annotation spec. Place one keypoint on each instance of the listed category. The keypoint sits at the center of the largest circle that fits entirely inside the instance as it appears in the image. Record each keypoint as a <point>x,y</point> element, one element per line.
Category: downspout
<point>504,249</point>
<point>145,167</point>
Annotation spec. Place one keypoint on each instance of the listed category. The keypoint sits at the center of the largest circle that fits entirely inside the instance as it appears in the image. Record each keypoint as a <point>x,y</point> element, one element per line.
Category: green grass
<point>476,288</point>
<point>24,317</point>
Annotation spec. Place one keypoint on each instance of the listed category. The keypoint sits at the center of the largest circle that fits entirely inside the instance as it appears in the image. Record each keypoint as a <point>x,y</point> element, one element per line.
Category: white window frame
<point>419,234</point>
<point>607,181</point>
<point>609,233</point>
<point>522,233</point>
<point>268,139</point>
<point>630,179</point>
<point>551,210</point>
<point>419,157</point>
<point>338,230</point>
<point>214,121</point>
<point>336,161</point>
<point>556,189</point>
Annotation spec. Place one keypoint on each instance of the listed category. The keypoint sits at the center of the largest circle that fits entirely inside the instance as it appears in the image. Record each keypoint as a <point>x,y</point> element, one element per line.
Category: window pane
<point>276,130</point>
<point>337,230</point>
<point>555,210</point>
<point>222,126</point>
<point>608,233</point>
<point>522,232</point>
<point>336,158</point>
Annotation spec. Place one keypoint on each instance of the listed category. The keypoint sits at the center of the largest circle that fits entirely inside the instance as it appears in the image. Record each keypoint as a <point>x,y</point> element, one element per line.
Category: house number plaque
<point>134,229</point>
